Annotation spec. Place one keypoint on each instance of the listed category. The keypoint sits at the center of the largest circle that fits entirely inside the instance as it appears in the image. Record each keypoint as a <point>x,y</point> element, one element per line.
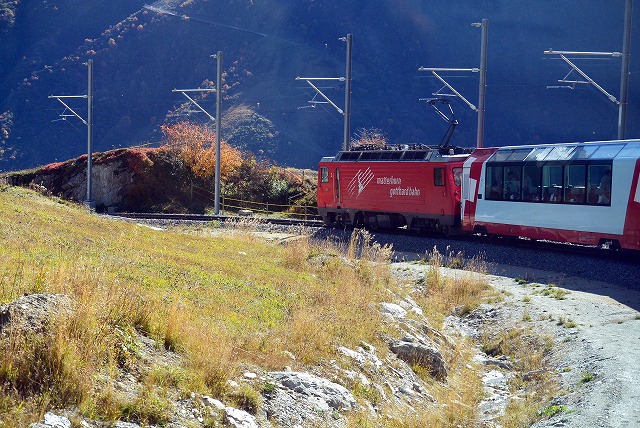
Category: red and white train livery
<point>417,187</point>
<point>585,193</point>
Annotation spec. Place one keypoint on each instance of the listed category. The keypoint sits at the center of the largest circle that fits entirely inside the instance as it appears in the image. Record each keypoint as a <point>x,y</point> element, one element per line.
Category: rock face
<point>239,418</point>
<point>425,356</point>
<point>306,400</point>
<point>32,313</point>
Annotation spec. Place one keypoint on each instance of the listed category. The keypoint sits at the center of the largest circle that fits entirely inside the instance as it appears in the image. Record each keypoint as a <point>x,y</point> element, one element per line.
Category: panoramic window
<point>512,183</point>
<point>531,177</point>
<point>493,183</point>
<point>552,188</point>
<point>599,184</point>
<point>574,180</point>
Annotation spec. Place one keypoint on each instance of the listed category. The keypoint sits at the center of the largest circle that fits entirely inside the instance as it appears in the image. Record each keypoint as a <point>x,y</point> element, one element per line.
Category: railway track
<point>221,218</point>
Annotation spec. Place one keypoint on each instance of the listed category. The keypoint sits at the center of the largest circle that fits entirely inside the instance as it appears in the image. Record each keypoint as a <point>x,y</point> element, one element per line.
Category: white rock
<point>250,375</point>
<point>54,421</point>
<point>393,310</point>
<point>239,418</point>
<point>213,402</point>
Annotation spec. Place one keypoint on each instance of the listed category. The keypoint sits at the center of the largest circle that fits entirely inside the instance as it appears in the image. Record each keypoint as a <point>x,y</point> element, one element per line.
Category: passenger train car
<point>584,193</point>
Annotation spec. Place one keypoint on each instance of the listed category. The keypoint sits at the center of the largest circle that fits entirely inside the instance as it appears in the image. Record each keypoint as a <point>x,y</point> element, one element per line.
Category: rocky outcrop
<point>32,313</point>
<point>422,355</point>
<point>306,400</point>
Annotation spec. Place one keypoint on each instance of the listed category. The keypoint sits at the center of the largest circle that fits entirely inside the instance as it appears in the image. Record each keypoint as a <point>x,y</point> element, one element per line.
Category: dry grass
<point>459,290</point>
<point>219,303</point>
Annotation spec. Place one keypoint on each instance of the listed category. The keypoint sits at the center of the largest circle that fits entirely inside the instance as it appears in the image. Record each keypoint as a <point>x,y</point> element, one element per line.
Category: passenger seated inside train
<point>604,190</point>
<point>556,194</point>
<point>512,186</point>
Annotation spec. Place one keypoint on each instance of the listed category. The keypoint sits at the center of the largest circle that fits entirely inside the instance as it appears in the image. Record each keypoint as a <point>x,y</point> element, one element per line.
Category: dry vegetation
<point>220,305</point>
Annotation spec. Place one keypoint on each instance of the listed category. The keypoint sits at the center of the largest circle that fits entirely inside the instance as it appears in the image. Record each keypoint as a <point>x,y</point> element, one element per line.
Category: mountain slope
<point>141,54</point>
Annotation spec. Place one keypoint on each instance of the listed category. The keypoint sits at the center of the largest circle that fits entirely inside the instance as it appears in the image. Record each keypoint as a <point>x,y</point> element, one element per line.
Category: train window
<point>493,183</point>
<point>457,176</point>
<point>324,174</point>
<point>599,188</point>
<point>531,184</point>
<point>631,150</point>
<point>500,156</point>
<point>518,154</point>
<point>560,153</point>
<point>552,188</point>
<point>512,184</point>
<point>538,154</point>
<point>583,152</point>
<point>607,151</point>
<point>574,184</point>
<point>438,176</point>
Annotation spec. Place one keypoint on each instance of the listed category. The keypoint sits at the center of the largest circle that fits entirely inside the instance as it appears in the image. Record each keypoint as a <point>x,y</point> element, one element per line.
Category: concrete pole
<point>216,210</point>
<point>624,77</point>
<point>483,83</point>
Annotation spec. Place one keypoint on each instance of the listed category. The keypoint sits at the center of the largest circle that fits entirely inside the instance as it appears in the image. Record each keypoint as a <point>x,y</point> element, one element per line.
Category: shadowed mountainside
<point>141,53</point>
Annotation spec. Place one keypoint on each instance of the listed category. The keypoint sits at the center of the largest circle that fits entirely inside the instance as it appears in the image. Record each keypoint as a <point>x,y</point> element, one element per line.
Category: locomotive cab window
<point>438,176</point>
<point>324,174</point>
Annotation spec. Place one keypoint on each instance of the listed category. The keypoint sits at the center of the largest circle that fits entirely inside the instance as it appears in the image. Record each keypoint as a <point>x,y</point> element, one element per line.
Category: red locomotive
<point>416,186</point>
<point>584,193</point>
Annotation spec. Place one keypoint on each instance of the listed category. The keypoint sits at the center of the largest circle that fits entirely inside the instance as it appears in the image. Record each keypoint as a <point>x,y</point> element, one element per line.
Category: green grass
<point>552,410</point>
<point>218,302</point>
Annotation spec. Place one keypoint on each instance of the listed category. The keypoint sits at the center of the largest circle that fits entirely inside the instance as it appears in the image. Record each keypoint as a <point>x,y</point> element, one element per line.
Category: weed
<point>637,317</point>
<point>555,292</point>
<point>246,398</point>
<point>552,410</point>
<point>566,323</point>
<point>587,377</point>
<point>521,281</point>
<point>526,316</point>
<point>526,299</point>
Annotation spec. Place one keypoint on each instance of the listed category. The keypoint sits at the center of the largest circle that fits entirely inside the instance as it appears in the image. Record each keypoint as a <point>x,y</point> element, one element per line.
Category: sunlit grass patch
<point>216,302</point>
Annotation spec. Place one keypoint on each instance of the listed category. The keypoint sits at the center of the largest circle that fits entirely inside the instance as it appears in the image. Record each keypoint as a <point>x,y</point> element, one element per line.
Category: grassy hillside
<point>160,314</point>
<point>216,302</point>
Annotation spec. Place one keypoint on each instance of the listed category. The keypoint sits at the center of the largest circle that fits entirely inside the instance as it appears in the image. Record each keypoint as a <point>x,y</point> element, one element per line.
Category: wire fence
<point>234,205</point>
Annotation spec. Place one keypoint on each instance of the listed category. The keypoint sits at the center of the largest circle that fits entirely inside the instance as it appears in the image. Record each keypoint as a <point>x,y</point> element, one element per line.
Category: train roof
<point>592,150</point>
<point>401,153</point>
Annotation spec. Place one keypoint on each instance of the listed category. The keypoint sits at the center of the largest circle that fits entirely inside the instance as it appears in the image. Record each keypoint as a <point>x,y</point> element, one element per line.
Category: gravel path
<point>599,358</point>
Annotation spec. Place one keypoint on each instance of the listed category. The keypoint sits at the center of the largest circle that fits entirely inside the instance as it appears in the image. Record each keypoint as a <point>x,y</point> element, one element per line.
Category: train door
<point>440,199</point>
<point>465,212</point>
